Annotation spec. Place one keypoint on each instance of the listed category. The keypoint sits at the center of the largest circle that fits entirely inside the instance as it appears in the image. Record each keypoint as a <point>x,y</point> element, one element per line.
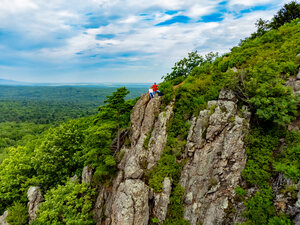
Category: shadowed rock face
<point>216,157</point>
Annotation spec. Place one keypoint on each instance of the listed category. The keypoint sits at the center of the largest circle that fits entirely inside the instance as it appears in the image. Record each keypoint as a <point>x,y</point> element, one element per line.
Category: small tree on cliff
<point>117,102</point>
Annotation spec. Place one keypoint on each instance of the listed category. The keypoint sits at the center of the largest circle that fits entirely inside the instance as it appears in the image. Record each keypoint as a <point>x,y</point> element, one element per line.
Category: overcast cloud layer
<point>117,40</point>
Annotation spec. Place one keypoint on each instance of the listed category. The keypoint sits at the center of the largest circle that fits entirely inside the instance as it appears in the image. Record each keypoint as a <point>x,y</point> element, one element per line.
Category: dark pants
<point>151,95</point>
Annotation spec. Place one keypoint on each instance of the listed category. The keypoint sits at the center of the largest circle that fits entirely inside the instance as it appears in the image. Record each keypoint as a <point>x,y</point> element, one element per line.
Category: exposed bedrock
<point>216,157</point>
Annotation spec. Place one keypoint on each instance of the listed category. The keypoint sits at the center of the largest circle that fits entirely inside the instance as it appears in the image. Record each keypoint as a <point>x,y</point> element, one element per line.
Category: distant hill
<point>12,82</point>
<point>111,85</point>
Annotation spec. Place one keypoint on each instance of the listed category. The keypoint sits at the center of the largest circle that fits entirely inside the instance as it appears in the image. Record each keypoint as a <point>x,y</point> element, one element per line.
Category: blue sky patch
<point>256,8</point>
<point>98,21</point>
<point>223,3</point>
<point>104,36</point>
<point>171,12</point>
<point>175,19</point>
<point>95,22</point>
<point>215,17</point>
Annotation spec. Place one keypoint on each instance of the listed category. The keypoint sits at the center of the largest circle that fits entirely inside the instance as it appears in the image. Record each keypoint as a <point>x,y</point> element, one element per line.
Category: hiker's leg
<point>151,96</point>
<point>159,93</point>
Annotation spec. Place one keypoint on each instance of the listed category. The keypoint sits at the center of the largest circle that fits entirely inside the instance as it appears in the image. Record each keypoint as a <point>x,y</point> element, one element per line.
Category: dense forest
<point>28,111</point>
<point>48,105</point>
<point>257,70</point>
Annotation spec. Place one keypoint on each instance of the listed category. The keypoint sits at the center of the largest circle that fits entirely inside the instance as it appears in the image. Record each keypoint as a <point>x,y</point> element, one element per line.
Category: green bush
<point>280,221</point>
<point>288,161</point>
<point>176,209</point>
<point>274,102</point>
<point>240,191</point>
<point>166,167</point>
<point>166,89</point>
<point>67,204</point>
<point>260,146</point>
<point>260,207</point>
<point>18,214</point>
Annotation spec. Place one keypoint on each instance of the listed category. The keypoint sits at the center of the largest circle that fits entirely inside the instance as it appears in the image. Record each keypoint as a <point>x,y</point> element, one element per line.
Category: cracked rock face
<point>131,203</point>
<point>216,158</point>
<point>162,200</point>
<point>35,198</point>
<point>128,201</point>
<point>158,138</point>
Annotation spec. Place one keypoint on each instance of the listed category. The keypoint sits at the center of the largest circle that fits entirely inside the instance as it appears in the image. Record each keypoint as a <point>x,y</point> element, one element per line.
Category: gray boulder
<point>3,218</point>
<point>87,174</point>
<point>35,198</point>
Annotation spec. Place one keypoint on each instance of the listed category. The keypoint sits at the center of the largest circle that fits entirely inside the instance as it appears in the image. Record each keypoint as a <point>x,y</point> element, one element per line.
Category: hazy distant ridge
<point>19,83</point>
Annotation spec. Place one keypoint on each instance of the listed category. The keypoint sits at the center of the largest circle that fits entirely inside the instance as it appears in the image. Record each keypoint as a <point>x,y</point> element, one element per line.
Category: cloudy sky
<point>117,40</point>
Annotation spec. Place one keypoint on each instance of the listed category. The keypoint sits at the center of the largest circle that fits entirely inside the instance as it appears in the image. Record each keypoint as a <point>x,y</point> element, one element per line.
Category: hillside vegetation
<point>256,70</point>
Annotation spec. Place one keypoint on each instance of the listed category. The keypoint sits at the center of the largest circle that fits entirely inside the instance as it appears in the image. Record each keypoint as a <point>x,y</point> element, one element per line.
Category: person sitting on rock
<point>151,93</point>
<point>155,89</point>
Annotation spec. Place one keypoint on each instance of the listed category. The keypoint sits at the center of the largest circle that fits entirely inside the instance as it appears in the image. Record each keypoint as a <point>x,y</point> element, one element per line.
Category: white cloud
<point>66,42</point>
<point>16,6</point>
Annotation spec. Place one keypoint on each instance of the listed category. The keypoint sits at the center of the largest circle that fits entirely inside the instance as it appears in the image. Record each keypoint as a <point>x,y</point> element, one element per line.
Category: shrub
<point>166,167</point>
<point>260,208</point>
<point>280,221</point>
<point>18,214</point>
<point>67,204</point>
<point>166,88</point>
<point>288,161</point>
<point>260,146</point>
<point>176,209</point>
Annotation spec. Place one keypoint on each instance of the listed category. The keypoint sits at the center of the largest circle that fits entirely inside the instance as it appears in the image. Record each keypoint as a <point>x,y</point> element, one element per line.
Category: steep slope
<point>127,202</point>
<point>216,157</point>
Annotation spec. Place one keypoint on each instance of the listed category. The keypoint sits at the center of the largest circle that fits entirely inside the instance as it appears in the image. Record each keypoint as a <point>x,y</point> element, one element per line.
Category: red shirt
<point>154,87</point>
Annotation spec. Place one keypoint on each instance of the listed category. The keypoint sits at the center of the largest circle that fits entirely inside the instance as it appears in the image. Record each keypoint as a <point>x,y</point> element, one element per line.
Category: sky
<point>118,40</point>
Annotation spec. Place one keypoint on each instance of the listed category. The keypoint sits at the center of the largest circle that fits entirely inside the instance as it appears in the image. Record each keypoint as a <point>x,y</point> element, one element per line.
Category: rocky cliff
<point>215,157</point>
<point>212,162</point>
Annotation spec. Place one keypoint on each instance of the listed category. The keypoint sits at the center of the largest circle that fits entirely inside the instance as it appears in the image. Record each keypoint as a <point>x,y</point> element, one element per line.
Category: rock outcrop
<point>297,205</point>
<point>215,148</point>
<point>87,174</point>
<point>35,198</point>
<point>128,201</point>
<point>162,200</point>
<point>215,154</point>
<point>3,218</point>
<point>294,83</point>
